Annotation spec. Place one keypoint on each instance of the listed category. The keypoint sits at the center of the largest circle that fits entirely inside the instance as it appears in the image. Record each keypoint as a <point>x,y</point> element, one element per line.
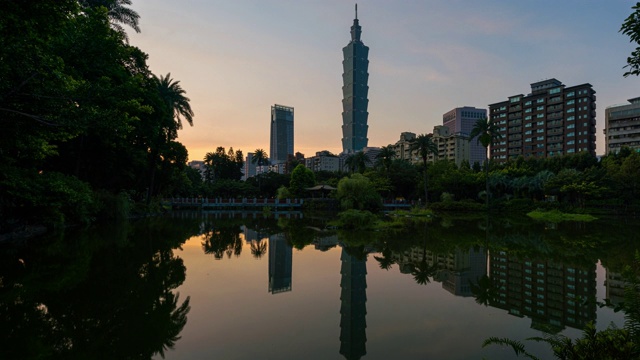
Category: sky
<point>235,59</point>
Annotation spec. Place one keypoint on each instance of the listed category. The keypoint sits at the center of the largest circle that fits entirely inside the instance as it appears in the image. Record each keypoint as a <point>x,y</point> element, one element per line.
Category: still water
<point>242,286</point>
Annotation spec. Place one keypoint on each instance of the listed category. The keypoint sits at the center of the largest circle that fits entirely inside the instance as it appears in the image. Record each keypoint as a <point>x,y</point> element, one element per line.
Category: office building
<point>552,120</point>
<point>461,121</point>
<point>622,126</point>
<point>355,91</point>
<point>281,145</point>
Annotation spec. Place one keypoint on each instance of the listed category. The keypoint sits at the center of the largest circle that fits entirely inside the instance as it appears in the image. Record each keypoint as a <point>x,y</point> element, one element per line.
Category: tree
<point>357,161</point>
<point>357,192</point>
<point>223,165</point>
<point>301,179</point>
<point>486,132</point>
<point>631,28</point>
<point>118,14</point>
<point>259,158</point>
<point>424,146</point>
<point>174,97</point>
<point>385,157</point>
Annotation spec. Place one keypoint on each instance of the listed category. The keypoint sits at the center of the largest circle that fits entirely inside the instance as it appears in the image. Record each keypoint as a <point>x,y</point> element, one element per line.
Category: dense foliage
<point>81,114</point>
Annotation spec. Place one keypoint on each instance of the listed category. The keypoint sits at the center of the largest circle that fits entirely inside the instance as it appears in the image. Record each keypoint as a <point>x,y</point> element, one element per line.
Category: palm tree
<point>386,156</point>
<point>173,95</point>
<point>258,248</point>
<point>118,14</point>
<point>259,158</point>
<point>424,146</point>
<point>357,161</point>
<point>486,132</point>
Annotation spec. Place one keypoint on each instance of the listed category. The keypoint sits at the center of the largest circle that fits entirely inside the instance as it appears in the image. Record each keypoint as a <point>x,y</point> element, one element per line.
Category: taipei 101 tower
<point>355,91</point>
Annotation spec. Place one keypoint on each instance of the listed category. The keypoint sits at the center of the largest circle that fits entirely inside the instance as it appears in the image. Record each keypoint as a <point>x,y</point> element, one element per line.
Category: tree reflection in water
<point>104,294</point>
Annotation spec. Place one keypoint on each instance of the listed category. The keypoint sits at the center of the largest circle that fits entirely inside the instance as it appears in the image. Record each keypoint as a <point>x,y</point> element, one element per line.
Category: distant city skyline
<point>427,58</point>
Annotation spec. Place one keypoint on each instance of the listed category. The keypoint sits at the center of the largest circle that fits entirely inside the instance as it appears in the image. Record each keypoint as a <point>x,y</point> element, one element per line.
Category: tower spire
<point>356,11</point>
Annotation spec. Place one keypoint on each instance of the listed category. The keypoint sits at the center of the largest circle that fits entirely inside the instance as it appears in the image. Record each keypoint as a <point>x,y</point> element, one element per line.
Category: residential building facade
<point>403,146</point>
<point>552,120</point>
<point>622,126</point>
<point>451,146</point>
<point>323,161</point>
<point>462,120</point>
<point>355,102</point>
<point>281,145</point>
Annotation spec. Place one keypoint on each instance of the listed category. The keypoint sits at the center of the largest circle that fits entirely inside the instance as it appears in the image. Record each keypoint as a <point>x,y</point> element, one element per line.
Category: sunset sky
<point>237,58</point>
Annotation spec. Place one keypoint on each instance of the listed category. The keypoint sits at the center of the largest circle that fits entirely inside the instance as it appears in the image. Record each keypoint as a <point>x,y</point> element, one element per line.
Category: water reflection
<point>353,302</point>
<point>280,264</point>
<point>114,292</point>
<point>107,294</point>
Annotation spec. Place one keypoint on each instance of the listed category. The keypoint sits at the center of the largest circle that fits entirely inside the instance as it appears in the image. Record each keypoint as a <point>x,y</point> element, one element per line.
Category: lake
<point>193,285</point>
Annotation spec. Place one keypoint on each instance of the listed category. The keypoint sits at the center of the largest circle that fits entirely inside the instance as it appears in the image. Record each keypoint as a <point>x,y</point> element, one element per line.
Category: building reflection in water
<point>456,271</point>
<point>553,295</point>
<point>353,305</point>
<point>280,264</point>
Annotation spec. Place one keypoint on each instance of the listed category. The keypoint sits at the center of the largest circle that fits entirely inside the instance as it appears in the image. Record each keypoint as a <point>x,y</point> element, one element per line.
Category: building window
<point>528,117</point>
<point>540,101</point>
<point>539,108</point>
<point>527,103</point>
<point>571,94</point>
<point>527,110</point>
<point>539,131</point>
<point>540,116</point>
<point>540,138</point>
<point>571,134</point>
<point>571,126</point>
<point>571,102</point>
<point>555,91</point>
<point>570,110</point>
<point>571,118</point>
<point>540,123</point>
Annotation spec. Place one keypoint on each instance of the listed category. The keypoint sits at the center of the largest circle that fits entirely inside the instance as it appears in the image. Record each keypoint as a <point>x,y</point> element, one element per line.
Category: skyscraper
<point>355,91</point>
<point>281,134</point>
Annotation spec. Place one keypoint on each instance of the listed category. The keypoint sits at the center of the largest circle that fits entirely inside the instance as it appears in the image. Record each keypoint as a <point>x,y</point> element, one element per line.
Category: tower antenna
<point>356,11</point>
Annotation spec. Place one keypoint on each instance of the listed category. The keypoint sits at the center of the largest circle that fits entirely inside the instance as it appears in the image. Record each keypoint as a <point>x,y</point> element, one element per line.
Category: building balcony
<point>554,100</point>
<point>515,152</point>
<point>515,129</point>
<point>557,131</point>
<point>515,137</point>
<point>516,122</point>
<point>554,147</point>
<point>554,139</point>
<point>554,116</point>
<point>555,123</point>
<point>515,108</point>
<point>555,108</point>
<point>517,115</point>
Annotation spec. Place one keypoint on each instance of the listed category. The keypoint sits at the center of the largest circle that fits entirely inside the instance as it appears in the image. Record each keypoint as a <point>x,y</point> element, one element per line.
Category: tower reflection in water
<point>353,306</point>
<point>280,264</point>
